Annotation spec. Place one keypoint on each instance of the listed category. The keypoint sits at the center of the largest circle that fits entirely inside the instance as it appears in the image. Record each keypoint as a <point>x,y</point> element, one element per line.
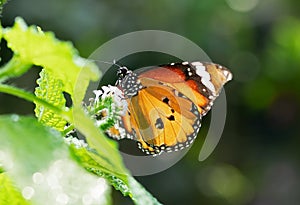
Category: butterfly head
<point>122,72</point>
<point>128,81</point>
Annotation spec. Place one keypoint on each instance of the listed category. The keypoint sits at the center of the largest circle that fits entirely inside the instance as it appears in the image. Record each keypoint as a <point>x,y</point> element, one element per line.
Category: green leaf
<point>125,183</point>
<point>86,158</point>
<point>139,194</point>
<point>9,193</point>
<point>103,150</point>
<point>67,114</point>
<point>38,161</point>
<point>26,140</point>
<point>60,59</point>
<point>51,90</point>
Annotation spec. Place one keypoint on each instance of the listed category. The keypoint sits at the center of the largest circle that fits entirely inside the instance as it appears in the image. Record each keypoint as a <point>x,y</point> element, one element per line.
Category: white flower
<point>76,142</point>
<point>115,93</point>
<point>98,94</point>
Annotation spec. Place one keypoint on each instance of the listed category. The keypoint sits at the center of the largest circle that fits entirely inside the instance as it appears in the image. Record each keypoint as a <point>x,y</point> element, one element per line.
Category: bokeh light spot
<point>242,5</point>
<point>62,198</point>
<point>38,178</point>
<point>6,160</point>
<point>28,192</point>
<point>227,182</point>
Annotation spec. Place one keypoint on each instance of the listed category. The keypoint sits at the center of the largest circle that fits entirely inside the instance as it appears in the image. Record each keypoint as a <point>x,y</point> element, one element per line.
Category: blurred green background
<point>257,161</point>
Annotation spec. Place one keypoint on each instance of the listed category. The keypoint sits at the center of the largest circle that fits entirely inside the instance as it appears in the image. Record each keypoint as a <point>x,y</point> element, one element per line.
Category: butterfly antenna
<point>109,63</point>
<point>115,63</point>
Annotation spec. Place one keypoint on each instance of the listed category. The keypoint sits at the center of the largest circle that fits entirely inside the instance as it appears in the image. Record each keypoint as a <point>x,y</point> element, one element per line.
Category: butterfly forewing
<point>200,82</point>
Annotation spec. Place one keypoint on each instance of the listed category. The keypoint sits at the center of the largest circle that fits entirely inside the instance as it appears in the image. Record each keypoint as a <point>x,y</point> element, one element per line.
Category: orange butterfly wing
<point>188,78</point>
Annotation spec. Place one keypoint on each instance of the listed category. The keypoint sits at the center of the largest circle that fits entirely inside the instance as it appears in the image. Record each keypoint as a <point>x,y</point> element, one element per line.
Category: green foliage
<point>24,158</point>
<point>284,47</point>
<point>2,2</point>
<point>50,89</point>
<point>34,145</point>
<point>19,137</point>
<point>9,193</point>
<point>32,45</point>
<point>126,184</point>
<point>280,64</point>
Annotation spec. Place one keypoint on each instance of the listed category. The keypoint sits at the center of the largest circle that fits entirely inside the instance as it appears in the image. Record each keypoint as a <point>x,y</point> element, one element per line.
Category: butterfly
<point>165,104</point>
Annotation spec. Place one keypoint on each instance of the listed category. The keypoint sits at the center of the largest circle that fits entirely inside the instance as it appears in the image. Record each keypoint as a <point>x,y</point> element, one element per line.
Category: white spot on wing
<point>227,74</point>
<point>196,63</point>
<point>205,77</point>
<point>185,63</point>
<point>201,71</point>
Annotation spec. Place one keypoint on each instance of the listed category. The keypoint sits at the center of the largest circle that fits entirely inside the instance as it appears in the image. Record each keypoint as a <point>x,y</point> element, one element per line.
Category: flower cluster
<point>116,94</point>
<point>107,106</point>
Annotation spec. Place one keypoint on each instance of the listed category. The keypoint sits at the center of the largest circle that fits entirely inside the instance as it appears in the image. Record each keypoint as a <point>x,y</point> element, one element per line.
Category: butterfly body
<point>166,103</point>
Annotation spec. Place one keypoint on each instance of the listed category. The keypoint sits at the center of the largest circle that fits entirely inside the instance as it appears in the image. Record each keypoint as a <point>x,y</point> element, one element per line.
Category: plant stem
<point>14,68</point>
<point>68,129</point>
<point>65,113</point>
